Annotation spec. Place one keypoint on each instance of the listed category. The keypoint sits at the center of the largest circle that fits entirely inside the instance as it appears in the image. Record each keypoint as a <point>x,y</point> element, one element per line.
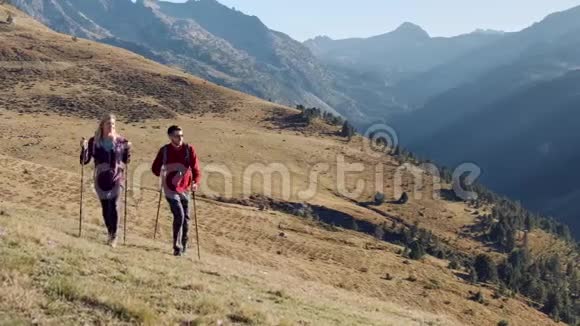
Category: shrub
<point>379,233</point>
<point>403,199</point>
<point>247,315</point>
<point>63,288</point>
<point>388,277</point>
<point>379,198</point>
<point>417,250</point>
<point>347,131</point>
<point>478,297</point>
<point>433,285</point>
<point>354,225</point>
<point>485,268</point>
<point>472,278</point>
<point>453,264</point>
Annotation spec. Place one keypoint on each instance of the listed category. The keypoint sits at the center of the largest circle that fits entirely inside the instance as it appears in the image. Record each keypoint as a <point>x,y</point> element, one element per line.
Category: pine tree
<point>354,225</point>
<point>563,232</point>
<point>347,131</point>
<point>478,297</point>
<point>415,230</point>
<point>510,241</point>
<point>553,267</point>
<point>379,232</point>
<point>535,290</point>
<point>453,264</point>
<point>417,250</point>
<point>534,271</point>
<point>519,259</point>
<point>498,233</point>
<point>406,236</point>
<point>570,269</point>
<point>529,223</point>
<point>553,305</point>
<point>472,275</point>
<point>526,241</point>
<point>486,269</point>
<point>397,151</point>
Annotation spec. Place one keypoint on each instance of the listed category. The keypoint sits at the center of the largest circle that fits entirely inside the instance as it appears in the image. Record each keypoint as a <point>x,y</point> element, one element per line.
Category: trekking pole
<point>125,206</point>
<point>158,209</point>
<point>196,229</point>
<point>81,201</point>
<point>82,190</point>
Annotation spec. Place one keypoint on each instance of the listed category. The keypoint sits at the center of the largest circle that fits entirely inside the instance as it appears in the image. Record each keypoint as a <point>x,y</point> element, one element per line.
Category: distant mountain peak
<point>410,27</point>
<point>320,38</point>
<point>148,3</point>
<point>410,30</point>
<point>207,2</point>
<point>488,32</point>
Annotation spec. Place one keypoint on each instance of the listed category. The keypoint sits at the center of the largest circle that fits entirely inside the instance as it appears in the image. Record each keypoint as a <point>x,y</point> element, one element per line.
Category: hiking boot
<point>177,252</point>
<point>184,248</point>
<point>113,242</point>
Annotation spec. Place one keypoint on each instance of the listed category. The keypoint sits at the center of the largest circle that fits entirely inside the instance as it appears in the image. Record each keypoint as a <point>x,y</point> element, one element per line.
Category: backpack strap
<point>164,149</point>
<point>187,156</point>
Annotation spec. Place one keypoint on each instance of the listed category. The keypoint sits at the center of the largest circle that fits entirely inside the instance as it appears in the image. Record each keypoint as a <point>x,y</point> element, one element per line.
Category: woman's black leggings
<point>110,214</point>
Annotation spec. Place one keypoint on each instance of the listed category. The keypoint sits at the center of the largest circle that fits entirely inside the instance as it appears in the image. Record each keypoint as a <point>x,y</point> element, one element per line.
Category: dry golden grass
<point>249,274</point>
<point>52,277</point>
<point>326,277</point>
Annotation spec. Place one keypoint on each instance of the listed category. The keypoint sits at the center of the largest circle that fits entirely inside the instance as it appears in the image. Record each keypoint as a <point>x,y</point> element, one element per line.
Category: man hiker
<point>111,153</point>
<point>178,166</point>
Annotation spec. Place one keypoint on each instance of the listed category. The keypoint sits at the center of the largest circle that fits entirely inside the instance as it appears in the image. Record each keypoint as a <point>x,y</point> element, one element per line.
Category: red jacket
<point>178,176</point>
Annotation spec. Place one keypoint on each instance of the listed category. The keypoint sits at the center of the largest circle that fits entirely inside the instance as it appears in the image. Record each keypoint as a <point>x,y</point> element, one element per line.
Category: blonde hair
<point>99,131</point>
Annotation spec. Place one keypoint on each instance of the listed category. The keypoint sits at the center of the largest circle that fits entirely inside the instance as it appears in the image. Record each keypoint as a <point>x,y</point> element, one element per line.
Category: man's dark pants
<point>179,204</point>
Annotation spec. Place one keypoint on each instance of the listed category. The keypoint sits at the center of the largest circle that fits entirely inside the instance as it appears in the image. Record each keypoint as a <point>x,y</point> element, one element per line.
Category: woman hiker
<point>111,154</point>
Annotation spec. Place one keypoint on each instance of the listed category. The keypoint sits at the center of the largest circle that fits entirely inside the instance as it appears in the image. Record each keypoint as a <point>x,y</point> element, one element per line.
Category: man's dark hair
<point>173,129</point>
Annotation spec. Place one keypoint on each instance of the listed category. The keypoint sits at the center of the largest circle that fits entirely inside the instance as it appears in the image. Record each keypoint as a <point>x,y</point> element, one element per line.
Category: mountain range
<point>236,50</point>
<point>202,37</point>
<point>266,255</point>
<point>482,96</point>
<point>514,116</point>
<point>506,101</point>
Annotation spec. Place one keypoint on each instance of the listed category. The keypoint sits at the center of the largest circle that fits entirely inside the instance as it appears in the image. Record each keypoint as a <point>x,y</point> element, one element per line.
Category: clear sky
<point>303,19</point>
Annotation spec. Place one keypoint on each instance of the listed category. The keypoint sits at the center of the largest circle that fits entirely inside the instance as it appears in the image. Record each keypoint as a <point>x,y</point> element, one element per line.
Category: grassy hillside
<point>204,38</point>
<point>261,264</point>
<point>326,276</point>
